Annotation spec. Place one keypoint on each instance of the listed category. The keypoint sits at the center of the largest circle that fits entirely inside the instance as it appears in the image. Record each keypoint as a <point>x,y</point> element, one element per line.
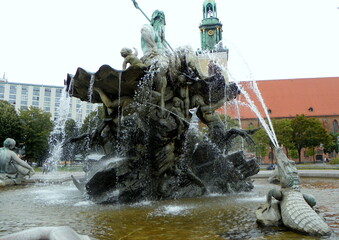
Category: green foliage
<point>295,134</point>
<point>307,132</point>
<point>333,144</point>
<point>10,125</point>
<point>71,130</point>
<point>229,122</point>
<point>92,120</point>
<point>36,130</point>
<point>334,161</point>
<point>283,131</point>
<point>293,153</point>
<point>261,141</point>
<point>309,152</point>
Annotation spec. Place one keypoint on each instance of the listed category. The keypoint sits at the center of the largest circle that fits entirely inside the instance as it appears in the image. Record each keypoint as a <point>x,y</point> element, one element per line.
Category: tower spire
<point>210,28</point>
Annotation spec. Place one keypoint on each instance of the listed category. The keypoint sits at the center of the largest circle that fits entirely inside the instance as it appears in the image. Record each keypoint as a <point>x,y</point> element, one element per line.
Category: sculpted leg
<point>310,199</point>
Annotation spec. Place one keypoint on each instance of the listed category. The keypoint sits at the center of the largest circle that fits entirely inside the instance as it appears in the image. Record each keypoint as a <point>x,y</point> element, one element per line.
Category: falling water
<point>119,103</point>
<point>120,142</point>
<point>239,65</point>
<point>268,128</point>
<point>260,98</point>
<point>90,89</point>
<point>57,136</point>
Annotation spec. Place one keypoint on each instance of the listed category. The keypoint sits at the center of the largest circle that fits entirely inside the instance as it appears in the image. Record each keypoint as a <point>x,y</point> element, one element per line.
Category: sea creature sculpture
<point>296,209</point>
<point>147,126</point>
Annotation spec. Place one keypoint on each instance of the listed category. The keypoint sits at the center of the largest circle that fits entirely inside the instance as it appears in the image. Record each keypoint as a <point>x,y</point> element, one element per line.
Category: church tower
<point>210,28</point>
<point>211,36</point>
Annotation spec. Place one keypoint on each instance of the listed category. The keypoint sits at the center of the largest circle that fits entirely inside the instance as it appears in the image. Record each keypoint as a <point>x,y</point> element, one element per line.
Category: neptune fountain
<point>150,150</point>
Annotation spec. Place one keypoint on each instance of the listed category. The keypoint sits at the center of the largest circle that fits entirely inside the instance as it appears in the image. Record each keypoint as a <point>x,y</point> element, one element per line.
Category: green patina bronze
<point>210,27</point>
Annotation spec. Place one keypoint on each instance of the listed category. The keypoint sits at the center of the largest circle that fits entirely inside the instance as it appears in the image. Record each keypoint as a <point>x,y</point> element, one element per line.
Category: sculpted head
<point>288,172</point>
<point>158,17</point>
<point>125,52</point>
<point>9,143</point>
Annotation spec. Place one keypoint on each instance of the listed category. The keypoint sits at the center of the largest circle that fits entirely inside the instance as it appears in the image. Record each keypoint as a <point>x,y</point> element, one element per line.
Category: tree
<point>37,127</point>
<point>283,131</point>
<point>10,125</point>
<point>261,141</point>
<point>71,130</point>
<point>92,120</point>
<point>333,144</point>
<point>307,132</point>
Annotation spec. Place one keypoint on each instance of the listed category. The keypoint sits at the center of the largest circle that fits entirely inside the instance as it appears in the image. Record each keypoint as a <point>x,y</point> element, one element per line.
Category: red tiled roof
<point>290,97</point>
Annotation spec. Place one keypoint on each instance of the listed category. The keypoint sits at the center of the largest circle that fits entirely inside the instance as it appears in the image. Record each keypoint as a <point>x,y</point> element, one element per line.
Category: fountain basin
<point>229,216</point>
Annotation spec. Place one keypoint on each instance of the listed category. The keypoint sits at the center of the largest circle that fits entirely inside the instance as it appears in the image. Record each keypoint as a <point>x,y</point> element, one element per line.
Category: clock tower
<point>210,28</point>
<point>211,36</point>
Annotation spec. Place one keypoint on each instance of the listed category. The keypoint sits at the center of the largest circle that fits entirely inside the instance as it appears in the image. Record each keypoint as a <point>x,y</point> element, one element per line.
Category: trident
<point>136,5</point>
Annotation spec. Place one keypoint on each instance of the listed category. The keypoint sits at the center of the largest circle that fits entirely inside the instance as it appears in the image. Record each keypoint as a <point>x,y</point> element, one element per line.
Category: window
<point>24,91</point>
<point>335,126</point>
<point>2,96</point>
<point>23,107</point>
<point>47,109</point>
<point>47,104</point>
<point>47,92</point>
<point>58,92</point>
<point>47,99</point>
<point>24,103</point>
<point>24,97</point>
<point>12,89</point>
<point>36,91</point>
<point>35,98</point>
<point>250,125</point>
<point>2,89</point>
<point>35,103</point>
<point>12,96</point>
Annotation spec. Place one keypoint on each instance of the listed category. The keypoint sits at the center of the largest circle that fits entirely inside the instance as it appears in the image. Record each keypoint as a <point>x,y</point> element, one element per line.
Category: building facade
<point>285,99</point>
<point>46,97</point>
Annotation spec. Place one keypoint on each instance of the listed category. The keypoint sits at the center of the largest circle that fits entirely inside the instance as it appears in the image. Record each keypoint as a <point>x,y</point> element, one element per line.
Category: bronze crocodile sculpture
<point>296,209</point>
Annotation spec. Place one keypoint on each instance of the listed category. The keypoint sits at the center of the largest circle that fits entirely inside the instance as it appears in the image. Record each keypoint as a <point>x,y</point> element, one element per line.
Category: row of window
<point>36,91</point>
<point>37,98</point>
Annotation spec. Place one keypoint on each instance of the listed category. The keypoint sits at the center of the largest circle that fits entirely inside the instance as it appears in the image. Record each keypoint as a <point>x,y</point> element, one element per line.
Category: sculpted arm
<point>124,64</point>
<point>20,162</point>
<point>273,193</point>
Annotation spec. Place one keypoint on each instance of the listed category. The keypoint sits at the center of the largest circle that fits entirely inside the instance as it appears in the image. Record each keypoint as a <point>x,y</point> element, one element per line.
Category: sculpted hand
<point>265,207</point>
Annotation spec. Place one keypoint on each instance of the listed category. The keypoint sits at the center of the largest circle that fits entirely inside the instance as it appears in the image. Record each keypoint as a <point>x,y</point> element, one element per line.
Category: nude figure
<point>10,163</point>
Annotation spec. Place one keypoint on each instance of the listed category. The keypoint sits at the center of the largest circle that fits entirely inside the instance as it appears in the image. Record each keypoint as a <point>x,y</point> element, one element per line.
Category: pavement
<point>326,173</point>
<point>60,176</point>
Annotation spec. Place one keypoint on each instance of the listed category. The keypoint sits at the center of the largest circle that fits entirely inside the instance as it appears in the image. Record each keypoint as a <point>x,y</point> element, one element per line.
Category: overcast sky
<point>43,40</point>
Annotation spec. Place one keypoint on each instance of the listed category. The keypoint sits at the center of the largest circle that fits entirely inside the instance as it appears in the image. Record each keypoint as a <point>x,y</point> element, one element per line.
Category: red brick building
<point>286,98</point>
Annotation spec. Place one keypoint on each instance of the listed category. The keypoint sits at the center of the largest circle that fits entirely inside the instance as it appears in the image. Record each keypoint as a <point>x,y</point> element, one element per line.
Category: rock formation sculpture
<point>294,209</point>
<point>147,124</point>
